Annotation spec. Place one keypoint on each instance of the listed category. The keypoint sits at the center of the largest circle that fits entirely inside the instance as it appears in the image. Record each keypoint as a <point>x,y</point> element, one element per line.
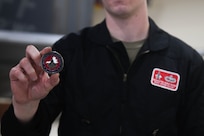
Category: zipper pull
<point>155,132</point>
<point>125,77</point>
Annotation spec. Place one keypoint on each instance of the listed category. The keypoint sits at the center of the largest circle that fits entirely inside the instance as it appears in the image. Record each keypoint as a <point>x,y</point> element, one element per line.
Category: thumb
<point>53,80</point>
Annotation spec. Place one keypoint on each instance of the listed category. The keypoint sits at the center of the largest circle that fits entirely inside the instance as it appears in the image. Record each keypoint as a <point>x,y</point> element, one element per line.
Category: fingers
<point>45,50</point>
<point>34,55</point>
<point>28,81</point>
<point>29,66</point>
<point>23,71</point>
<point>28,69</point>
<point>17,74</point>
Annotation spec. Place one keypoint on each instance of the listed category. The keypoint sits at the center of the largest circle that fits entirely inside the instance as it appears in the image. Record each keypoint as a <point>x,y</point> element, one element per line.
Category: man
<point>123,77</point>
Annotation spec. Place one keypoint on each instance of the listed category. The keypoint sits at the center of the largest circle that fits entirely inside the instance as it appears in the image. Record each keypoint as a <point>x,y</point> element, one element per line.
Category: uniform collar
<point>157,39</point>
<point>100,34</point>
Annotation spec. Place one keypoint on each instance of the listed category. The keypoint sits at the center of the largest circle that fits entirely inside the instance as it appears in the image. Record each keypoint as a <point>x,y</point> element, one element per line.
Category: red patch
<point>165,79</point>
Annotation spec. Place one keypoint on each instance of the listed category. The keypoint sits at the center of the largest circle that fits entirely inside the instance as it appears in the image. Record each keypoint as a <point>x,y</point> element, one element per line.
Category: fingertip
<point>16,74</point>
<point>30,47</point>
<point>45,50</point>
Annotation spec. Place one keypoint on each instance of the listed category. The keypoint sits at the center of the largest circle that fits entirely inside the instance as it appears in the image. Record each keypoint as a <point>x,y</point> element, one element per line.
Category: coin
<point>52,62</point>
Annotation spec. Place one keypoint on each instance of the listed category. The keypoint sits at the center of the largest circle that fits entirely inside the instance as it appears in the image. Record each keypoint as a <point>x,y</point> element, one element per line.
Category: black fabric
<point>95,100</point>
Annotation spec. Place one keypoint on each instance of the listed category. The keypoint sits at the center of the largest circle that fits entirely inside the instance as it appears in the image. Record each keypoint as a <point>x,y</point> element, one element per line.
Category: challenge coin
<point>52,62</point>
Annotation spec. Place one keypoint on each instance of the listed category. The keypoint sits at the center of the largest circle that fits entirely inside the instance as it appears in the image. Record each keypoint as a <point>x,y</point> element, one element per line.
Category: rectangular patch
<point>165,79</point>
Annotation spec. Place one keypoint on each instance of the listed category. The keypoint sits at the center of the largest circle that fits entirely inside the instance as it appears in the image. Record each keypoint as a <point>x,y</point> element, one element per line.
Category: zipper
<point>117,58</point>
<point>134,63</point>
<point>124,79</point>
<point>125,74</point>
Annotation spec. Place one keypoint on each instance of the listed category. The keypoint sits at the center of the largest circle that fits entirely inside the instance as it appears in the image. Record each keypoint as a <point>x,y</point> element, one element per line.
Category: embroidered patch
<point>165,79</point>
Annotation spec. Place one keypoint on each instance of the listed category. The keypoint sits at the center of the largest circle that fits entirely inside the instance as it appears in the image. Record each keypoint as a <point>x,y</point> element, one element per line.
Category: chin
<point>120,13</point>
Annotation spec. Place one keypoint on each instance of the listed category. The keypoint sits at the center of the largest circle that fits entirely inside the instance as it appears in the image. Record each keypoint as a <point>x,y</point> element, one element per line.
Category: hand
<point>29,83</point>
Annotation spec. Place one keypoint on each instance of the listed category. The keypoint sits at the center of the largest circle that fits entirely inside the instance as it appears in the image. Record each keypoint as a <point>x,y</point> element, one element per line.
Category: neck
<point>130,29</point>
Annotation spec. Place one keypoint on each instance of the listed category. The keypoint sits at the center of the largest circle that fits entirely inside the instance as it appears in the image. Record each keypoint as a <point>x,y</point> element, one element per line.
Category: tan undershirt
<point>132,48</point>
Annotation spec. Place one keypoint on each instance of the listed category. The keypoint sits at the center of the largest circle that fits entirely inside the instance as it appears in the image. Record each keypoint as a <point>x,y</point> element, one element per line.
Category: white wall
<point>182,18</point>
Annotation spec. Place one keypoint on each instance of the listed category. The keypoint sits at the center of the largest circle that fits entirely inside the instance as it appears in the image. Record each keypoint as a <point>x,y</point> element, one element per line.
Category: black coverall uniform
<point>102,94</point>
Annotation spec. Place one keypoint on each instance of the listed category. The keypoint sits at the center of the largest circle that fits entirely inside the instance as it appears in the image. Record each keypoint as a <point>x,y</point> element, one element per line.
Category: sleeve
<point>40,125</point>
<point>37,126</point>
<point>192,114</point>
<point>49,108</point>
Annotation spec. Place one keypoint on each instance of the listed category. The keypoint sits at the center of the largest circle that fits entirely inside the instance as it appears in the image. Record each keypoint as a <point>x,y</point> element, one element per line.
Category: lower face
<point>122,8</point>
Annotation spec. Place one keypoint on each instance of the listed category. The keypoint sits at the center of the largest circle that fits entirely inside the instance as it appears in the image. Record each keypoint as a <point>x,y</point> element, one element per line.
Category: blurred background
<point>42,22</point>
